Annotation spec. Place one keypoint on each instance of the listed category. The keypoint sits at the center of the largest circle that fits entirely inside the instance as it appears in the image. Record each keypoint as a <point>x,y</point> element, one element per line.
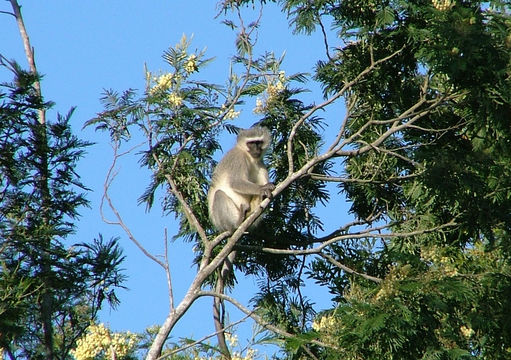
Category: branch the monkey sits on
<point>240,180</point>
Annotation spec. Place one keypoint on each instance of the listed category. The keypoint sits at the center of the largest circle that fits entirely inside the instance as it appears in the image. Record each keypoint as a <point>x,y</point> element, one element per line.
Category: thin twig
<point>111,174</point>
<point>347,269</point>
<point>325,242</point>
<point>167,272</point>
<point>336,96</point>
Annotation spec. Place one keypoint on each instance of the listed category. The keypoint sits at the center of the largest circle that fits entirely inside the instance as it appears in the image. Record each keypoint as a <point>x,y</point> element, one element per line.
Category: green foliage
<point>49,291</point>
<point>452,168</point>
<point>431,310</point>
<point>175,114</point>
<point>422,157</point>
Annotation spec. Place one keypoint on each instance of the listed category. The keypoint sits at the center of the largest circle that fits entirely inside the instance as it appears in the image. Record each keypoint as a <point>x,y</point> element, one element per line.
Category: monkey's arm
<point>245,187</point>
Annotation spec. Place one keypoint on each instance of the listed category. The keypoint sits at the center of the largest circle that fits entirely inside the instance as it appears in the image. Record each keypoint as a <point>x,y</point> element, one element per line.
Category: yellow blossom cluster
<point>259,108</point>
<point>389,287</point>
<point>327,326</point>
<point>325,323</point>
<point>163,83</point>
<point>273,88</point>
<point>249,355</point>
<point>231,114</point>
<point>232,339</point>
<point>467,331</point>
<point>175,100</point>
<point>191,64</point>
<point>445,264</point>
<point>387,290</point>
<point>100,340</point>
<point>443,5</point>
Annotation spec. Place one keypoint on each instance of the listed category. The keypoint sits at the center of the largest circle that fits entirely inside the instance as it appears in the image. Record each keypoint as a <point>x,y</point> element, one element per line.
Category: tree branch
<point>258,319</point>
<point>29,52</point>
<point>347,269</point>
<point>111,174</point>
<point>332,239</point>
<point>201,340</point>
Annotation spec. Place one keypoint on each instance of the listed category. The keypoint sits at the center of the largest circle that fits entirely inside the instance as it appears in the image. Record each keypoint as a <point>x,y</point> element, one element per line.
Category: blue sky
<point>83,47</point>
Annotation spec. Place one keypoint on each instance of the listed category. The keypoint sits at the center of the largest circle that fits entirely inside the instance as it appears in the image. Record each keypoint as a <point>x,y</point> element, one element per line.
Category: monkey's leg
<point>226,215</point>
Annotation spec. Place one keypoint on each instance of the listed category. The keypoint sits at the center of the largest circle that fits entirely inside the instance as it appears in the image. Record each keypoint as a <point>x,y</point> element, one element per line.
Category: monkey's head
<point>255,141</point>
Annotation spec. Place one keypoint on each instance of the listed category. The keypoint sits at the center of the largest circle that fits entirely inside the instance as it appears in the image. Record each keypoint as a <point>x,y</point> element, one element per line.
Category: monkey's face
<point>256,148</point>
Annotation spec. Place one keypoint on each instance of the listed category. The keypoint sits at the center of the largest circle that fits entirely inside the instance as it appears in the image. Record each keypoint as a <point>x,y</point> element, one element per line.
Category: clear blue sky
<point>83,47</point>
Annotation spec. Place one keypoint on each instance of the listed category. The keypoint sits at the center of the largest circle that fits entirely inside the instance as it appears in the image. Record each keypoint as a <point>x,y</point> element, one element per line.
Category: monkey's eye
<point>255,142</point>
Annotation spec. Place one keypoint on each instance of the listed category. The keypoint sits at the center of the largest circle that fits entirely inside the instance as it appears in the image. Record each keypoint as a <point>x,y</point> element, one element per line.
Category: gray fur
<point>240,181</point>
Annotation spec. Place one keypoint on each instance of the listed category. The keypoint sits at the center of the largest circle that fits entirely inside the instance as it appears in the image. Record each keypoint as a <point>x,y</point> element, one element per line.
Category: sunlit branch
<point>397,126</point>
<point>29,52</point>
<point>167,273</point>
<point>332,99</point>
<point>206,268</point>
<point>371,233</point>
<point>204,338</point>
<point>340,179</point>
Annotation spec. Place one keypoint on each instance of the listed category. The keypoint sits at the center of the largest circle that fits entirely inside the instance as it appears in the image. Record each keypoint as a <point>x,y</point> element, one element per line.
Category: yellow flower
<point>443,5</point>
<point>163,83</point>
<point>251,354</point>
<point>259,108</point>
<point>232,339</point>
<point>175,100</point>
<point>325,323</point>
<point>467,331</point>
<point>191,64</point>
<point>282,76</point>
<point>99,339</point>
<point>275,89</point>
<point>231,114</point>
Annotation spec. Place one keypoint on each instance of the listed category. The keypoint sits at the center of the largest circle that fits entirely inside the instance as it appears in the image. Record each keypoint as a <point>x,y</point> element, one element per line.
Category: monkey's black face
<point>255,148</point>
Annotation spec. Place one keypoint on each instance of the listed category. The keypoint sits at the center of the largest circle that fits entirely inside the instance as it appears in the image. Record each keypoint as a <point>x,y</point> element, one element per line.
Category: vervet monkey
<point>240,181</point>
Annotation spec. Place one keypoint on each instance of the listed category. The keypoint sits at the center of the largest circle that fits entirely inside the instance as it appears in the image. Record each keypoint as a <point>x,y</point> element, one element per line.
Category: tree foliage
<point>451,167</point>
<point>50,291</point>
<point>422,156</point>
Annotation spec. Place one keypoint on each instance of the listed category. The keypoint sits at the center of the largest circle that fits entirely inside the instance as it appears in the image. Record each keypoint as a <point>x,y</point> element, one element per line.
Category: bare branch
<point>167,272</point>
<point>8,13</point>
<point>371,233</point>
<point>390,179</point>
<point>336,96</point>
<point>29,52</point>
<point>111,174</point>
<point>325,38</point>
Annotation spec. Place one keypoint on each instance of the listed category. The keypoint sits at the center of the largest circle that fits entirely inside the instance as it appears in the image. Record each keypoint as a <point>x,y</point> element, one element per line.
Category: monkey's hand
<point>266,190</point>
